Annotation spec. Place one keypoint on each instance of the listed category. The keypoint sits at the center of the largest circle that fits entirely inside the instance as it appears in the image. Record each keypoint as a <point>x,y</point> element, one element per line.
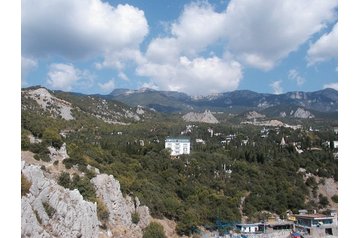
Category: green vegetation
<point>25,185</point>
<point>335,198</point>
<point>49,209</point>
<point>135,217</point>
<point>154,230</point>
<point>102,210</point>
<point>197,189</point>
<point>82,184</point>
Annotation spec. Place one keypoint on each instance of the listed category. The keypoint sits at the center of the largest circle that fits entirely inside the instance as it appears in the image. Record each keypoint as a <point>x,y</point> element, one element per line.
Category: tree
<point>52,136</point>
<point>64,180</point>
<point>323,200</point>
<point>154,230</point>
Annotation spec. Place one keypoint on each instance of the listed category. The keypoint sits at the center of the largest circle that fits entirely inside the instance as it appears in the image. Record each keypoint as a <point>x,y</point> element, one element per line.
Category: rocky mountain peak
<point>50,103</point>
<point>206,117</point>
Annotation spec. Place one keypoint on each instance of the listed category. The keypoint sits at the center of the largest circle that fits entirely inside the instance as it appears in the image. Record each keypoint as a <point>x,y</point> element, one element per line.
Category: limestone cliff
<point>50,210</point>
<point>206,117</point>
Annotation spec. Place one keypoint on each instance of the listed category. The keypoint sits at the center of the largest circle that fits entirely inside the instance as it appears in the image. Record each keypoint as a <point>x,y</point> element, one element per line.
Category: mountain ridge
<point>325,100</point>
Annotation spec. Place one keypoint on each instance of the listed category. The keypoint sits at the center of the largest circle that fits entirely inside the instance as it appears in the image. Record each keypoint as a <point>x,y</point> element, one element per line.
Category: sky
<point>197,47</point>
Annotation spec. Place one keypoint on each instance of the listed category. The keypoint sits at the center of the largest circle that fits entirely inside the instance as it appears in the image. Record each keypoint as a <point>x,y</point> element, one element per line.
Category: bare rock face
<point>301,113</point>
<point>254,115</point>
<point>120,208</point>
<point>48,102</point>
<point>60,154</point>
<point>49,210</point>
<point>206,117</point>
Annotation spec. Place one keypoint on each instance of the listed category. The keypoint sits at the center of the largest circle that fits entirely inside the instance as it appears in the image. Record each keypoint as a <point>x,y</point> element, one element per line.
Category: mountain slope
<point>68,106</point>
<point>236,101</point>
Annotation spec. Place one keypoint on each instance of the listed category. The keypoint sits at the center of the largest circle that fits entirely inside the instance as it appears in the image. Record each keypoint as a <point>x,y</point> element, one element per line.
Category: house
<point>178,145</point>
<point>317,225</point>
<point>335,144</point>
<point>248,228</point>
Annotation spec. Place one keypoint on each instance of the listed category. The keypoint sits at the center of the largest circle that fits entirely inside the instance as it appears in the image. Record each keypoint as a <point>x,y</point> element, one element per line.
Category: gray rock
<point>72,217</point>
<point>301,113</point>
<point>120,208</point>
<point>206,117</point>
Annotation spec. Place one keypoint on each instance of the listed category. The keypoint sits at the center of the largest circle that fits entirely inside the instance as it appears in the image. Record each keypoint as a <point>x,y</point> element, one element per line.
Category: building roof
<point>181,138</point>
<point>314,216</point>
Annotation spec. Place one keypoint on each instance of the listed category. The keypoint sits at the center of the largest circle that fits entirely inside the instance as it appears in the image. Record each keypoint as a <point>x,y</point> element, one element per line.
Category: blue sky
<point>197,47</point>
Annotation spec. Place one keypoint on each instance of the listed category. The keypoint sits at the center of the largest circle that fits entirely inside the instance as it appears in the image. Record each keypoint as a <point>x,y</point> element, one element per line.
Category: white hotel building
<point>178,146</point>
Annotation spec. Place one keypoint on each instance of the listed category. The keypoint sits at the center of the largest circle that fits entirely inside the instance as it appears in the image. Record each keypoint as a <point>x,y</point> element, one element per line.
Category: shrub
<point>64,180</point>
<point>135,217</point>
<point>335,198</point>
<point>42,156</point>
<point>25,185</point>
<point>48,209</point>
<point>102,210</point>
<point>323,200</point>
<point>86,189</point>
<point>154,230</point>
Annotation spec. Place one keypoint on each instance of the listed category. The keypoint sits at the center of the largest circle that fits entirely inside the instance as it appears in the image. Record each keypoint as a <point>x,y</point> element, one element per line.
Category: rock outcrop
<point>49,210</point>
<point>120,208</point>
<point>59,154</point>
<point>48,102</point>
<point>254,115</point>
<point>206,117</point>
<point>301,113</point>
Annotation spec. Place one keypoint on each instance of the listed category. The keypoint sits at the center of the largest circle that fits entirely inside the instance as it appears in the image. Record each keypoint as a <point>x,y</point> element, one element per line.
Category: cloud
<point>294,75</point>
<point>264,32</point>
<point>27,64</point>
<point>197,27</point>
<point>65,76</point>
<point>108,86</point>
<point>331,85</point>
<point>325,48</point>
<point>79,29</point>
<point>200,76</point>
<point>255,33</point>
<point>276,87</point>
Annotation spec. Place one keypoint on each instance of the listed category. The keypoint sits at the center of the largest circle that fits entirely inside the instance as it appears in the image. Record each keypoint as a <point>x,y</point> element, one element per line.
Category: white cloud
<point>200,76</point>
<point>295,75</point>
<point>262,32</point>
<point>64,76</point>
<point>198,26</point>
<point>325,48</point>
<point>257,33</point>
<point>108,86</point>
<point>27,64</point>
<point>331,85</point>
<point>276,87</point>
<point>77,29</point>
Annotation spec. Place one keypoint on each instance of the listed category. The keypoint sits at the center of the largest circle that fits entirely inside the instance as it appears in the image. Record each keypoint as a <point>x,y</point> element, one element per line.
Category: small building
<point>316,225</point>
<point>335,144</point>
<point>178,145</point>
<point>248,228</point>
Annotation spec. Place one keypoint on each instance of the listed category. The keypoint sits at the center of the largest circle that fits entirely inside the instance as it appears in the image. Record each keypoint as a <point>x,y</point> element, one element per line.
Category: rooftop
<point>314,216</point>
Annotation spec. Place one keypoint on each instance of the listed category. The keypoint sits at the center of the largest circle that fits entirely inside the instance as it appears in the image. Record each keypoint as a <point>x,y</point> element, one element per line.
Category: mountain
<point>324,101</point>
<point>162,101</point>
<point>70,106</point>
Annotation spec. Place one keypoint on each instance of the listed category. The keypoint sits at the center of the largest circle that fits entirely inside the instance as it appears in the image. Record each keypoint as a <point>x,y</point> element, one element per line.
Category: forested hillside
<point>236,172</point>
